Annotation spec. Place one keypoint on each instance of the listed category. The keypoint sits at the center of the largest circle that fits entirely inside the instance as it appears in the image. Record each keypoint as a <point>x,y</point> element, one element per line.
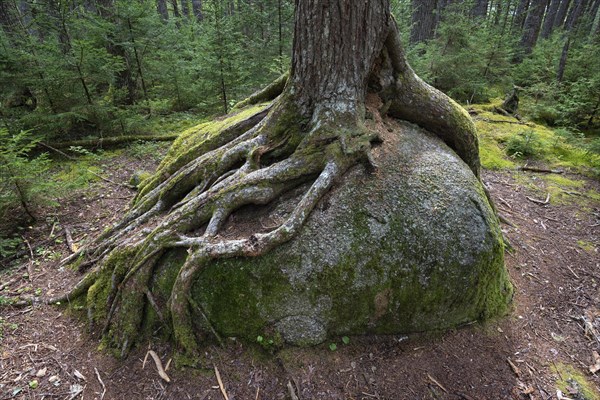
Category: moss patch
<point>570,381</point>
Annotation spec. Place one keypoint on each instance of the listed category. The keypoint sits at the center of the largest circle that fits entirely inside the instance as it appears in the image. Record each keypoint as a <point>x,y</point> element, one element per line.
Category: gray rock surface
<point>413,246</point>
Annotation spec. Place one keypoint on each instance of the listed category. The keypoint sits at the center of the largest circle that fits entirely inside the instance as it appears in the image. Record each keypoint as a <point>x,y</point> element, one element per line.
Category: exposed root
<point>253,160</point>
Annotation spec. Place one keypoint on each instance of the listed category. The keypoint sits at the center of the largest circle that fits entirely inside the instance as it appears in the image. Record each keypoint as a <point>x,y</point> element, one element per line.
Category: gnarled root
<point>252,157</point>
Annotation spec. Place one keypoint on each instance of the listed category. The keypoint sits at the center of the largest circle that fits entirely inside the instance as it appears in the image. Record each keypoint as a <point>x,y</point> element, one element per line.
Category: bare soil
<point>46,352</point>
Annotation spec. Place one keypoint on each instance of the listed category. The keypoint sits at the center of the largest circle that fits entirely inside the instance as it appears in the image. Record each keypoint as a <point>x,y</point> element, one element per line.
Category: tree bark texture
<point>532,26</point>
<point>161,8</point>
<point>480,8</point>
<point>561,14</point>
<point>327,33</point>
<point>520,15</point>
<point>549,18</point>
<point>197,9</point>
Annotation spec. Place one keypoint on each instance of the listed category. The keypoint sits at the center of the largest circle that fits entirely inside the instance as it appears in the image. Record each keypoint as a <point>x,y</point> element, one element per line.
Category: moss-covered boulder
<point>412,246</point>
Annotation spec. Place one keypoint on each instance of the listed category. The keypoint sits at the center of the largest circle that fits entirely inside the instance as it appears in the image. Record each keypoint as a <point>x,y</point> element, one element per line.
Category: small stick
<point>539,201</point>
<point>102,383</point>
<point>69,238</point>
<point>573,272</point>
<point>543,170</point>
<point>30,263</point>
<point>257,392</point>
<point>514,368</point>
<point>223,392</point>
<point>159,367</point>
<point>432,379</point>
<point>291,390</point>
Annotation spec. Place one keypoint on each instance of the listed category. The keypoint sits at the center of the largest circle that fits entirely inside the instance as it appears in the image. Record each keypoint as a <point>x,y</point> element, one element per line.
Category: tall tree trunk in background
<point>533,22</point>
<point>423,20</point>
<point>124,79</point>
<point>161,8</point>
<point>549,19</point>
<point>197,9</point>
<point>574,14</point>
<point>480,8</point>
<point>570,26</point>
<point>561,14</point>
<point>185,8</point>
<point>520,14</point>
<point>175,9</point>
<point>8,18</point>
<point>595,28</point>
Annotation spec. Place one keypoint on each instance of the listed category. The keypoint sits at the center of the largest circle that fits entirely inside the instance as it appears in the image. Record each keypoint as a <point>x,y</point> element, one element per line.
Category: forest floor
<point>545,345</point>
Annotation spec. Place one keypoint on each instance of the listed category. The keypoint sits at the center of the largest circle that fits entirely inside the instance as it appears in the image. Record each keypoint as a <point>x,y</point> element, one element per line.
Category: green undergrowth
<point>506,143</point>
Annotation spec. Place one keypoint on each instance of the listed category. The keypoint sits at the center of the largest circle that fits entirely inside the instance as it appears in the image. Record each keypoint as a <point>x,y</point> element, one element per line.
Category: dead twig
<point>159,367</point>
<point>542,170</point>
<point>69,238</point>
<point>223,392</point>
<point>514,368</point>
<point>101,383</point>
<point>432,379</point>
<point>292,391</point>
<point>543,203</point>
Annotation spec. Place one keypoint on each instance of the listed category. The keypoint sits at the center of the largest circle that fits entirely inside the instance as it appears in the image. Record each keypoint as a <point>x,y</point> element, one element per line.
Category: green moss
<point>550,147</point>
<point>587,246</point>
<point>569,377</point>
<point>194,142</point>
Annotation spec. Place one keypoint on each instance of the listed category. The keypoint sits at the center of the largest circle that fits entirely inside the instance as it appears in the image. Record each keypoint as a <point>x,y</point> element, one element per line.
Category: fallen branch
<point>543,203</point>
<point>102,383</point>
<point>500,121</point>
<point>159,367</point>
<point>542,170</point>
<point>223,392</point>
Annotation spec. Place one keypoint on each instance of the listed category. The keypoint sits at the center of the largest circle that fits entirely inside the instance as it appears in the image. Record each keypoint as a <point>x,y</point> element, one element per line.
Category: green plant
<point>21,175</point>
<point>9,246</point>
<point>523,144</point>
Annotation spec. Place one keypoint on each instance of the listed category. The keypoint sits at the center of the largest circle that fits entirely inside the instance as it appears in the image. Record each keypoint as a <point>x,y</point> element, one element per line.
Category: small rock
<point>41,372</point>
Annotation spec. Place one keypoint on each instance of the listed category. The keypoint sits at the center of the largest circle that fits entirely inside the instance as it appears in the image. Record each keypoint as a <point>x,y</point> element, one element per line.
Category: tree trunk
<point>532,25</point>
<point>185,8</point>
<point>161,8</point>
<point>550,18</point>
<point>423,21</point>
<point>561,14</point>
<point>312,131</point>
<point>520,14</point>
<point>197,9</point>
<point>480,8</point>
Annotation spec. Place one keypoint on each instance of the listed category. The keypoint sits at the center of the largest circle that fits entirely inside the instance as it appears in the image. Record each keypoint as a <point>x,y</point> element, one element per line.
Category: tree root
<point>253,160</point>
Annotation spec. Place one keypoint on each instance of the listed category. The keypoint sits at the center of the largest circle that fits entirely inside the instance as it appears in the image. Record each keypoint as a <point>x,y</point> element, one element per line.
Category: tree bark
<point>347,36</point>
<point>161,8</point>
<point>549,18</point>
<point>561,14</point>
<point>520,14</point>
<point>480,8</point>
<point>197,9</point>
<point>423,21</point>
<point>532,25</point>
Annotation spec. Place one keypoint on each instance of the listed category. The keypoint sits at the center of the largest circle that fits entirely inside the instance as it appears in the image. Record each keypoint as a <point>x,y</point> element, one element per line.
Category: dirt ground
<point>542,350</point>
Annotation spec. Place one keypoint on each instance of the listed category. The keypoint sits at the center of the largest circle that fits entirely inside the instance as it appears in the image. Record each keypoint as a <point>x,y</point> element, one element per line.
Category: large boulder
<point>412,246</point>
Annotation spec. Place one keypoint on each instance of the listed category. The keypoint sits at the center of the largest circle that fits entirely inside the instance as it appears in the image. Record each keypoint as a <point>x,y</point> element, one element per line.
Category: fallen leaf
<point>596,367</point>
<point>41,372</point>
